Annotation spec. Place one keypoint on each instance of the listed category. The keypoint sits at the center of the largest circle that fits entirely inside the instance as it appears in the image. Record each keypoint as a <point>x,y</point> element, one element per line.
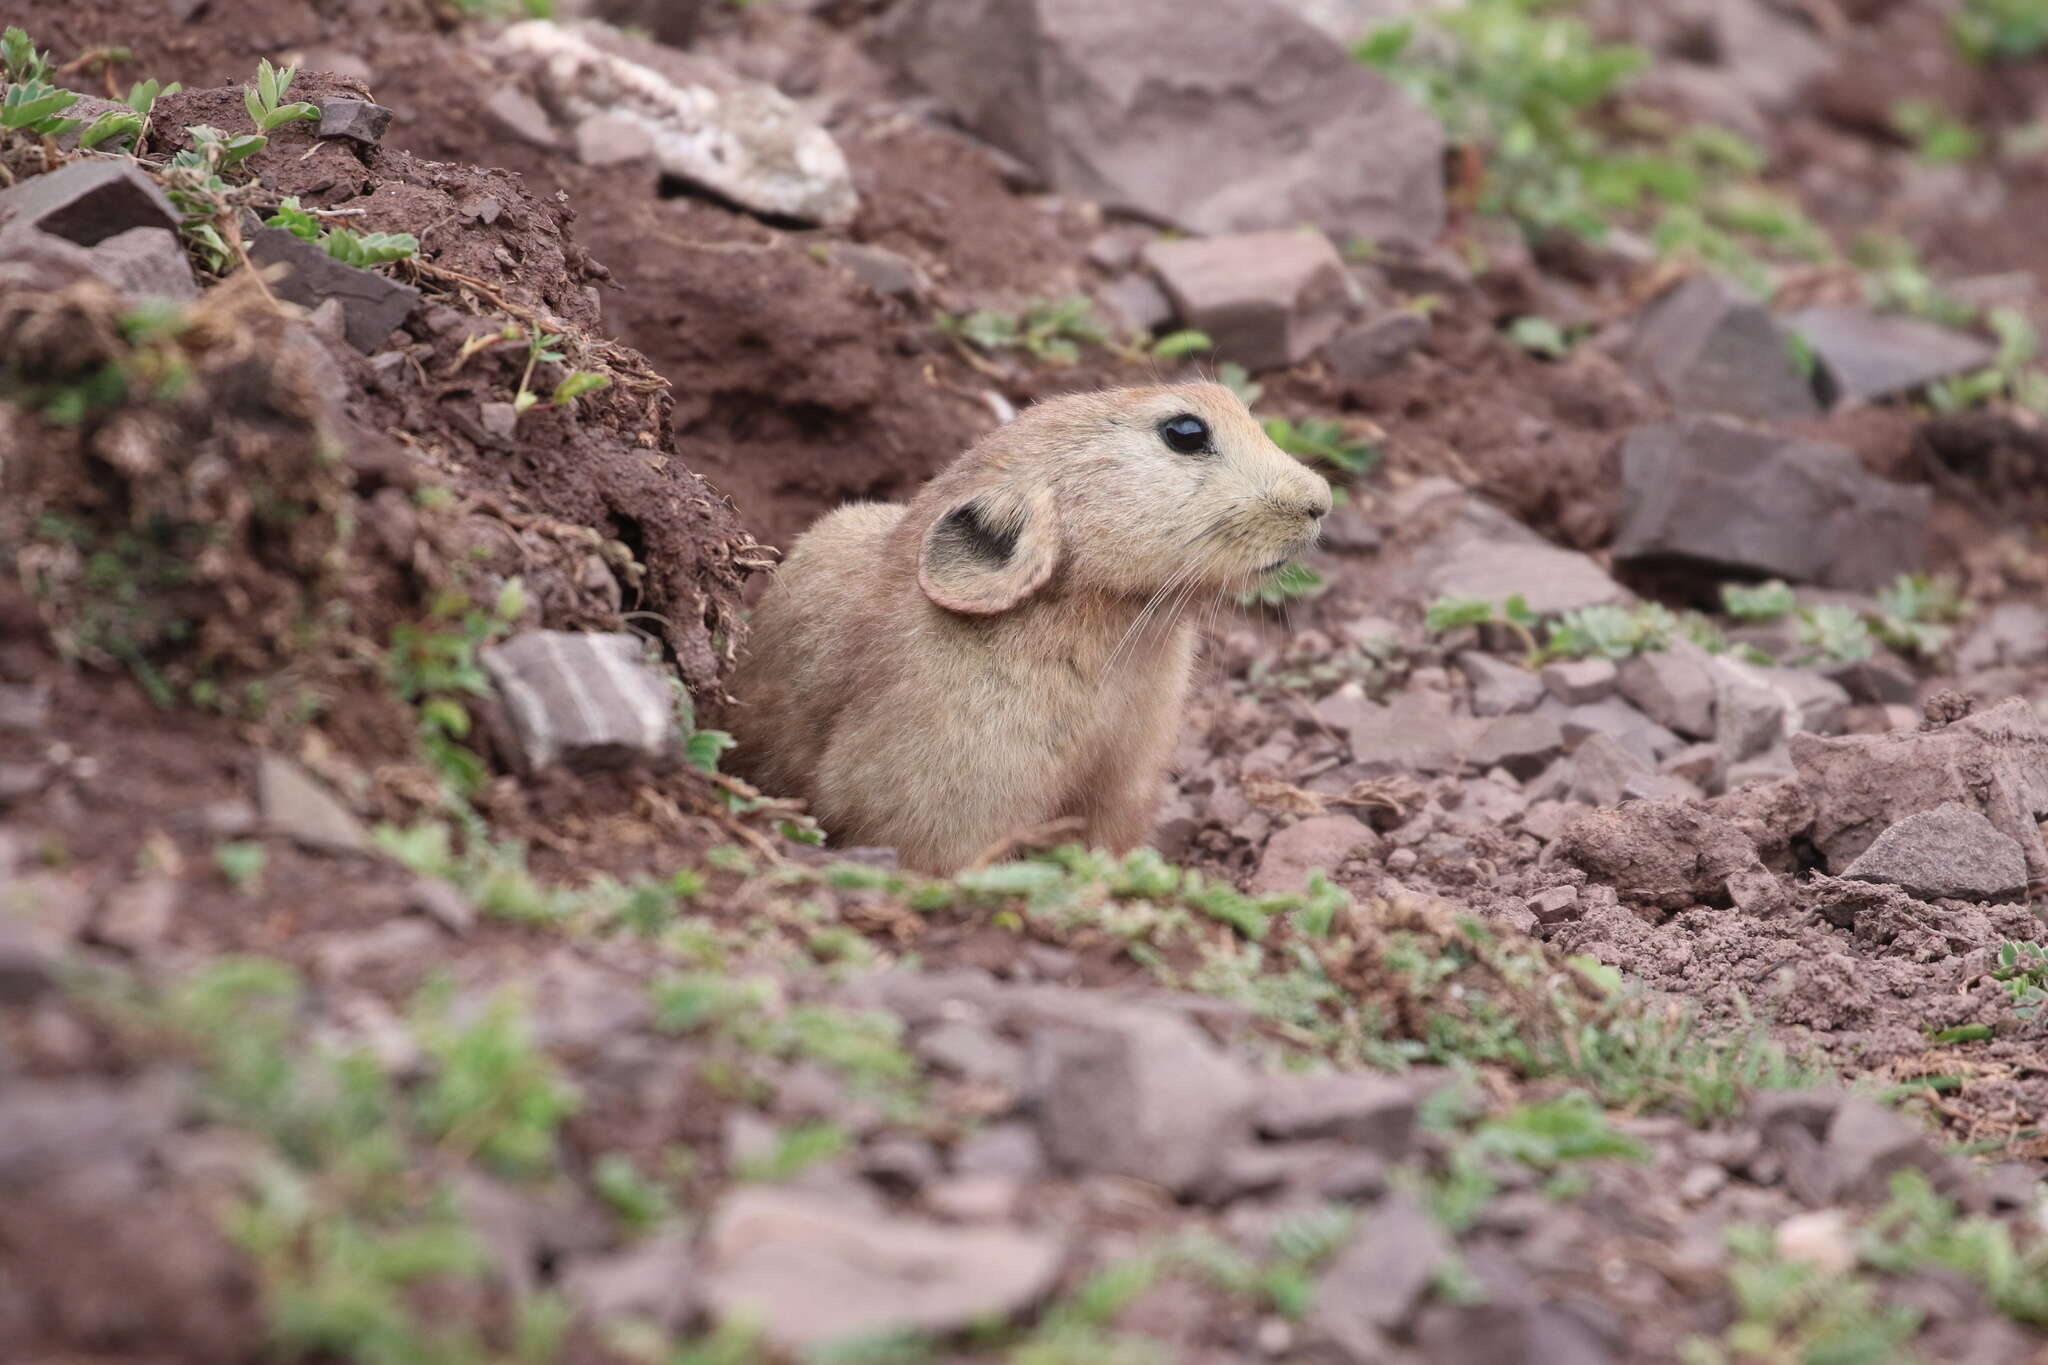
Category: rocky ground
<point>1595,914</point>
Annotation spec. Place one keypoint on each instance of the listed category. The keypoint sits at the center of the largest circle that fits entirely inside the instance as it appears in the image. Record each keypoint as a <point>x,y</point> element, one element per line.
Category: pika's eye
<point>1186,434</point>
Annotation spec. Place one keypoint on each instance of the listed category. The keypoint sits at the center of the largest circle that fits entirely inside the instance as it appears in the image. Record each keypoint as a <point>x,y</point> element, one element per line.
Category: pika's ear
<point>985,555</point>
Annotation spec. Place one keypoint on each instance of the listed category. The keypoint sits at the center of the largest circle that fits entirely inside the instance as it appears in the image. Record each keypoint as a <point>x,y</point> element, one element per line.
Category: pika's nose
<point>1314,506</point>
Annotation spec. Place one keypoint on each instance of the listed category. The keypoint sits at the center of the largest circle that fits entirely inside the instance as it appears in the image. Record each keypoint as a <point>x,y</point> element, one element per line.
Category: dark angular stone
<point>371,304</point>
<point>87,202</point>
<point>358,120</point>
<point>1708,349</point>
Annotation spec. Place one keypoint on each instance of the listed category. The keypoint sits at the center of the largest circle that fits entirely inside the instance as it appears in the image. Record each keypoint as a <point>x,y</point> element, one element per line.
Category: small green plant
<point>2013,375</point>
<point>541,347</point>
<point>361,249</point>
<point>1936,135</point>
<point>641,1204</point>
<point>1291,582</point>
<point>1794,1311</point>
<point>1832,634</point>
<point>492,1093</point>
<point>205,201</point>
<point>264,100</point>
<point>1053,331</point>
<point>1768,601</point>
<point>2022,968</point>
<point>1239,381</point>
<point>1320,440</point>
<point>1540,337</point>
<point>1920,1230</point>
<point>241,863</point>
<point>1544,1136</point>
<point>1916,613</point>
<point>2001,30</point>
<point>1609,632</point>
<point>796,1150</point>
<point>433,665</point>
<point>31,105</point>
<point>1602,632</point>
<point>1178,345</point>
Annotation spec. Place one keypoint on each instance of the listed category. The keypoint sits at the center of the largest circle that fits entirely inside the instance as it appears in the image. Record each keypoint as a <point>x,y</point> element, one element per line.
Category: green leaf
<point>1185,342</point>
<point>704,746</point>
<point>576,385</point>
<point>1539,336</point>
<point>115,123</point>
<point>295,220</point>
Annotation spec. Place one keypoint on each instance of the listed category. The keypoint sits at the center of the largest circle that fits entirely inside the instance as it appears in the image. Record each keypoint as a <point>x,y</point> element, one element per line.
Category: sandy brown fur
<point>933,681</point>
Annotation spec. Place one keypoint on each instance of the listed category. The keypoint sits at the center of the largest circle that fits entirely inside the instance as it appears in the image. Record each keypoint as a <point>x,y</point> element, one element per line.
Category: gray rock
<point>1635,732</point>
<point>974,1052</point>
<point>146,263</point>
<point>1381,1277</point>
<point>1994,762</point>
<point>1001,1149</point>
<point>1138,1094</point>
<point>442,902</point>
<point>1374,347</point>
<point>1772,765</point>
<point>1673,687</point>
<point>138,915</point>
<point>887,273</point>
<point>1524,744</point>
<point>1371,1111</point>
<point>1266,299</point>
<point>608,140</point>
<point>1726,498</point>
<point>1416,733</point>
<point>391,944</point>
<point>1816,704</point>
<point>813,1271</point>
<point>1765,52</point>
<point>1865,354</point>
<point>297,807</point>
<point>25,707</point>
<point>584,700</point>
<point>1317,844</point>
<point>1866,1145</point>
<point>1602,770</point>
<point>1483,552</point>
<point>1949,853</point>
<point>654,1280</point>
<point>1555,906</point>
<point>1499,688</point>
<point>521,115</point>
<point>1751,715</point>
<point>1710,350</point>
<point>48,1125</point>
<point>86,202</point>
<point>1099,99</point>
<point>1580,682</point>
<point>741,139</point>
<point>372,305</point>
<point>1699,764</point>
<point>1139,301</point>
<point>28,966</point>
<point>2010,635</point>
<point>1883,679</point>
<point>356,120</point>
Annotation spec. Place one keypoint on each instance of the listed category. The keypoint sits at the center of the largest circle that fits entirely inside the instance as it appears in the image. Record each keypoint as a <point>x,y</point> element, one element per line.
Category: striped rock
<point>582,700</point>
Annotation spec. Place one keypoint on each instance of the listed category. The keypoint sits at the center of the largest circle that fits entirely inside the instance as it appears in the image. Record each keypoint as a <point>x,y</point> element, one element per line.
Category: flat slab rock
<point>741,139</point>
<point>1994,762</point>
<point>813,1270</point>
<point>1266,299</point>
<point>1725,497</point>
<point>1709,349</point>
<point>582,699</point>
<point>1865,355</point>
<point>1949,853</point>
<point>1098,99</point>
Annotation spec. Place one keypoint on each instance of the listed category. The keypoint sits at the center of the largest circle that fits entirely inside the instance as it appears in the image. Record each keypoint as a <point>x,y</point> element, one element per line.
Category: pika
<point>1013,646</point>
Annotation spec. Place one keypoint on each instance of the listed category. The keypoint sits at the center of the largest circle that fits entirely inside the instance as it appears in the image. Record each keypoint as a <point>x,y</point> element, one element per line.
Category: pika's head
<point>1127,492</point>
